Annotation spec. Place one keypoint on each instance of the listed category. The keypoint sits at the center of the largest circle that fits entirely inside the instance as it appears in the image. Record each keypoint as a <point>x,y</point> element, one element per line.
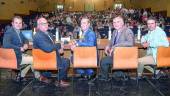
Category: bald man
<point>44,41</point>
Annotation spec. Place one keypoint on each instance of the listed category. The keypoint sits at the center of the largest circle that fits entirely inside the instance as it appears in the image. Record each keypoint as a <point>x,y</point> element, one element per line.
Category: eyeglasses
<point>43,24</point>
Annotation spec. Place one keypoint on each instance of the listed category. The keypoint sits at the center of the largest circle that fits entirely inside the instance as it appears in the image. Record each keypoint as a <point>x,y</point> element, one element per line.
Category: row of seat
<point>84,57</point>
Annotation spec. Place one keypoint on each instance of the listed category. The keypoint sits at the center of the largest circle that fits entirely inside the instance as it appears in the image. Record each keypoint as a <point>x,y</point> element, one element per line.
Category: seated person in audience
<point>13,38</point>
<point>122,37</point>
<point>1,35</point>
<point>43,40</point>
<point>88,39</point>
<point>152,40</point>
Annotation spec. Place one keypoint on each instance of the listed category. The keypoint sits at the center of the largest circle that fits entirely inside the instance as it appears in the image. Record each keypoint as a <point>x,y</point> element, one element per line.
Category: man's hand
<point>61,51</point>
<point>72,43</point>
<point>62,45</point>
<point>107,50</point>
<point>25,47</point>
<point>22,49</point>
<point>111,51</point>
<point>145,44</point>
<point>72,47</point>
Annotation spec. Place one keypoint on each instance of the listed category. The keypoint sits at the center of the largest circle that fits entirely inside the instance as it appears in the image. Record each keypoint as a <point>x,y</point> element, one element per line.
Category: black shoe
<point>88,77</point>
<point>137,78</point>
<point>160,74</point>
<point>140,78</point>
<point>125,78</point>
<point>82,77</point>
<point>21,79</point>
<point>119,75</point>
<point>103,78</point>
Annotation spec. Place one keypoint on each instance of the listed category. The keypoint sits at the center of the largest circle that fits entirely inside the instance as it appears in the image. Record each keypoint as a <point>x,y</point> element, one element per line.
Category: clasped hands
<point>61,50</point>
<point>24,47</point>
<point>109,50</point>
<point>145,44</point>
<point>73,44</point>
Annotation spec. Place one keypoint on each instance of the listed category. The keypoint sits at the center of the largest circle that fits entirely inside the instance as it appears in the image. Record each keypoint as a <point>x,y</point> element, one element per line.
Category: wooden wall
<point>10,7</point>
<point>155,5</point>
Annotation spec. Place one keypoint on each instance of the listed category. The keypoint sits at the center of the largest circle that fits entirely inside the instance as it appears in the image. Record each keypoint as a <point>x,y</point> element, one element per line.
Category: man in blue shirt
<point>152,40</point>
<point>88,39</point>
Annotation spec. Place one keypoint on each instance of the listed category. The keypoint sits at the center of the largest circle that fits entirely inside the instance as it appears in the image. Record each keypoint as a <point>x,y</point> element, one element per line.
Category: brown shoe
<point>44,79</point>
<point>64,83</point>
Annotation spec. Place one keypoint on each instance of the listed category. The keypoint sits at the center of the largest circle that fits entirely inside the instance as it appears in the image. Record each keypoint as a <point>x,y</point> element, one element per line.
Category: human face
<point>17,23</point>
<point>85,24</point>
<point>42,24</point>
<point>151,25</point>
<point>118,23</point>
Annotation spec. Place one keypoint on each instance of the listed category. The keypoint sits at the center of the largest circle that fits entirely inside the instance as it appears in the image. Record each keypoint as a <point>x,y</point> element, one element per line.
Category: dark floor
<point>114,87</point>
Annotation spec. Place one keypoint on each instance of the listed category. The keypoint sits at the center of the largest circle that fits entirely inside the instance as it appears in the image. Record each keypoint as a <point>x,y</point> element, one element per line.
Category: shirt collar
<point>18,31</point>
<point>122,29</point>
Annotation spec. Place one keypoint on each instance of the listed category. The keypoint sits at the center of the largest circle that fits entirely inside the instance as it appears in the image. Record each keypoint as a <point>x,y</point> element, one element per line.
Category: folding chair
<point>163,59</point>
<point>85,57</point>
<point>101,44</point>
<point>125,58</point>
<point>163,62</point>
<point>8,60</point>
<point>44,61</point>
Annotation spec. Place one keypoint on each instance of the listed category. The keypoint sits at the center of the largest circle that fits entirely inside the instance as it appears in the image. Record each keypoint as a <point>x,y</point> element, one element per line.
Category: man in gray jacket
<point>121,37</point>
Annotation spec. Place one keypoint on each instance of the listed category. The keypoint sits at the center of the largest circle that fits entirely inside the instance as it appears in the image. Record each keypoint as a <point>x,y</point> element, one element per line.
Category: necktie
<point>50,38</point>
<point>116,37</point>
<point>18,33</point>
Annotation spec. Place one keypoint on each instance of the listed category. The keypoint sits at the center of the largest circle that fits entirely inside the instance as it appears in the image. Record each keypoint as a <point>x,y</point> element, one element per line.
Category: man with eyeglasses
<point>43,40</point>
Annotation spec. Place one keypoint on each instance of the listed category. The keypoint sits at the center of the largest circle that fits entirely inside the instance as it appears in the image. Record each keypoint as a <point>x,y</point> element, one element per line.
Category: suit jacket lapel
<point>121,35</point>
<point>48,37</point>
<point>18,35</point>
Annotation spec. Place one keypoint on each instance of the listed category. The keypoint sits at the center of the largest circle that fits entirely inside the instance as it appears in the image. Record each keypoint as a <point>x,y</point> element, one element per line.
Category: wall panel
<point>10,7</point>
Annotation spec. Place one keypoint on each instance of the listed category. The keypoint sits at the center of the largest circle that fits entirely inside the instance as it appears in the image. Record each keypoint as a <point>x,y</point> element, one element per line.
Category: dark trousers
<point>106,64</point>
<point>63,68</point>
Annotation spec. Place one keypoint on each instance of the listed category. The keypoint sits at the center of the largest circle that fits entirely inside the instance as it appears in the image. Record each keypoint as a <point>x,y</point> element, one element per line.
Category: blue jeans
<point>106,64</point>
<point>63,67</point>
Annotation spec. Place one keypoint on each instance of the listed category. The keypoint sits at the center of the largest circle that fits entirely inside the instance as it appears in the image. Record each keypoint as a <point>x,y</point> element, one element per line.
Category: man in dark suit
<point>44,41</point>
<point>88,39</point>
<point>122,36</point>
<point>13,38</point>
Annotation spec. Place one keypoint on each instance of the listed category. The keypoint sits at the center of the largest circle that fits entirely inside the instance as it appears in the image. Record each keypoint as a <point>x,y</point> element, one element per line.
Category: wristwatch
<point>77,44</point>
